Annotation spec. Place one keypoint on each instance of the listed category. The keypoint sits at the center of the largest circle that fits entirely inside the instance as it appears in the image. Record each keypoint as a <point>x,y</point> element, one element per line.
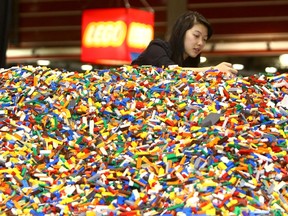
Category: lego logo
<point>104,34</point>
<point>113,34</point>
<point>139,35</point>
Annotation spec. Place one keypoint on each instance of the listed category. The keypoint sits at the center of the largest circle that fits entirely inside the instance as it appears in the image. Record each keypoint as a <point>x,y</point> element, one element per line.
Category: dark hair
<point>185,22</point>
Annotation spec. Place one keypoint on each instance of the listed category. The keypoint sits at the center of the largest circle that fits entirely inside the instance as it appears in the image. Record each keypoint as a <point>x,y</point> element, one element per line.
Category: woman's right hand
<point>226,68</point>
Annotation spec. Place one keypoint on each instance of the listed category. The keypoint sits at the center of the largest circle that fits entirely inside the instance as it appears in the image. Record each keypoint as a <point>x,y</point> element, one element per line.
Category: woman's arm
<point>224,67</point>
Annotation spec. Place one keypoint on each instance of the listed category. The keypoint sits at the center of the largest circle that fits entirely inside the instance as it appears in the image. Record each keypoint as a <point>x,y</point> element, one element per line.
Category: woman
<point>189,36</point>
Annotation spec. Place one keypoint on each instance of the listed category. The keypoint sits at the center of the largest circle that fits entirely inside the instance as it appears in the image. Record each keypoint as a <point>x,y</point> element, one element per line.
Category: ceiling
<point>250,32</point>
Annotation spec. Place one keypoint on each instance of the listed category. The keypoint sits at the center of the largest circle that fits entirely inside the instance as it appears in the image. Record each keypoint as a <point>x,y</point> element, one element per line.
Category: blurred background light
<point>86,67</point>
<point>238,66</point>
<point>203,59</point>
<point>43,62</point>
<point>270,69</point>
<point>283,60</point>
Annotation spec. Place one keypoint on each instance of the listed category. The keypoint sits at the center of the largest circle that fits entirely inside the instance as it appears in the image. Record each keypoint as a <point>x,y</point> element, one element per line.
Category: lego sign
<point>114,36</point>
<point>104,34</point>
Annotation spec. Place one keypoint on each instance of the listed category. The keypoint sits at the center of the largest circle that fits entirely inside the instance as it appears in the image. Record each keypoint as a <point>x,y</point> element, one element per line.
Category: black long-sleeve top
<point>159,53</point>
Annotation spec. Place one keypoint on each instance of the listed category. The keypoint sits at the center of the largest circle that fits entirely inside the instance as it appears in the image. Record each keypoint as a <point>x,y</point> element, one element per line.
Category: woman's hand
<point>227,68</point>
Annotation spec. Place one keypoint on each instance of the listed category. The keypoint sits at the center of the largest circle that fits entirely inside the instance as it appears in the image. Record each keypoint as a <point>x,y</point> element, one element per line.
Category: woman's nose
<point>200,41</point>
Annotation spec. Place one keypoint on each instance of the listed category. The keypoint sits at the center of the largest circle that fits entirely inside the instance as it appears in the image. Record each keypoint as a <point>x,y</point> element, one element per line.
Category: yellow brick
<point>222,166</point>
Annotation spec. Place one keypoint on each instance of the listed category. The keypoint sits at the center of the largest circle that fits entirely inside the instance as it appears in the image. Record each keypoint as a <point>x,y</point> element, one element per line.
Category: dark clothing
<point>159,53</point>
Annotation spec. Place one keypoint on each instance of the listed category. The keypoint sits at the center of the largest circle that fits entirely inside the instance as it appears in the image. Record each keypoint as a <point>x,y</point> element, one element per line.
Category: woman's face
<point>194,40</point>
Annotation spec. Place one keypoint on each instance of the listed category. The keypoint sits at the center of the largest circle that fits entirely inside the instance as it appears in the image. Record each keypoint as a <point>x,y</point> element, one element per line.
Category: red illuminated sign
<point>113,36</point>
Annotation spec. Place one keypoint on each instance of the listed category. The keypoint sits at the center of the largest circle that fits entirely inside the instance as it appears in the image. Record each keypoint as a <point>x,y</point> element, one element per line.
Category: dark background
<point>51,29</point>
